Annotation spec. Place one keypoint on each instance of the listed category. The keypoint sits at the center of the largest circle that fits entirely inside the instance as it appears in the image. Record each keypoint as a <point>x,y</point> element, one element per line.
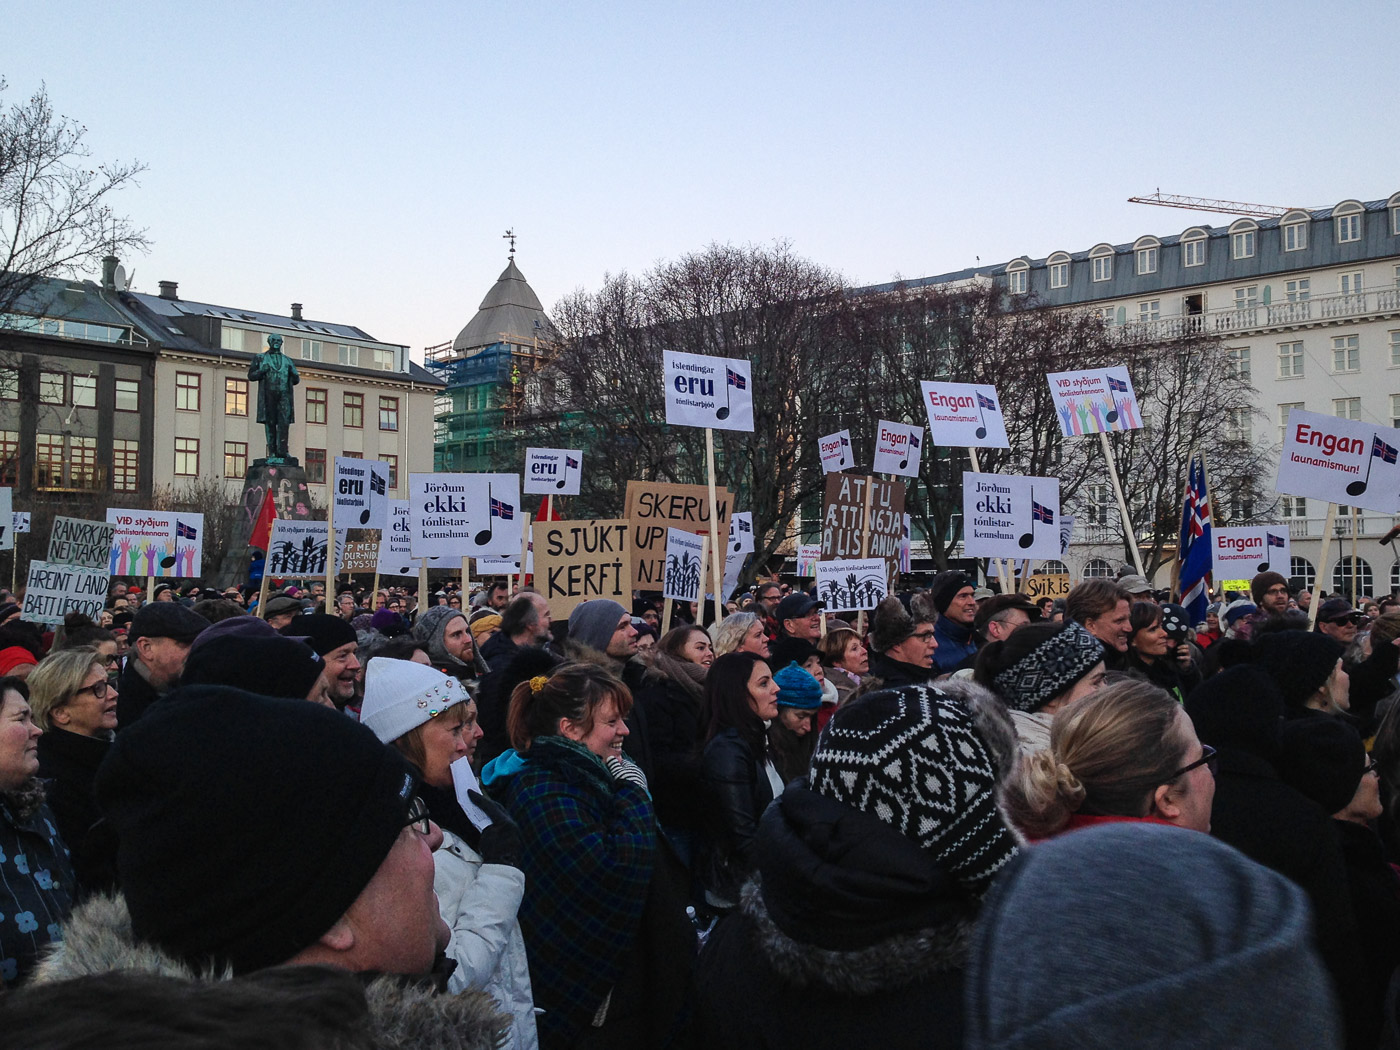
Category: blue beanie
<point>797,688</point>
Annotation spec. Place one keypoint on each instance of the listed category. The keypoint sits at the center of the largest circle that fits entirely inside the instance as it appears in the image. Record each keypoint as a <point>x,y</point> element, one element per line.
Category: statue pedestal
<point>283,482</point>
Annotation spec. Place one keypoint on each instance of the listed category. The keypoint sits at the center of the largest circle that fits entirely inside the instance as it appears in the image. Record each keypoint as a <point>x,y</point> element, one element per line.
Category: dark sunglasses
<point>1207,759</point>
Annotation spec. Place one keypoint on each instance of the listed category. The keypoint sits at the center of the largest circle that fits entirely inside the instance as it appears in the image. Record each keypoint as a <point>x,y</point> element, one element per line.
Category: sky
<point>364,159</point>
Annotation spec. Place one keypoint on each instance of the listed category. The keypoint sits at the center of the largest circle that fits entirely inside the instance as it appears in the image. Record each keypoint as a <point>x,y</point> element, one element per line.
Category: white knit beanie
<point>401,695</point>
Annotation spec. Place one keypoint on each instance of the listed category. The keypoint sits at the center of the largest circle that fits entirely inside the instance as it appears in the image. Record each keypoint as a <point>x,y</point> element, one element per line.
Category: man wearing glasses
<point>902,647</point>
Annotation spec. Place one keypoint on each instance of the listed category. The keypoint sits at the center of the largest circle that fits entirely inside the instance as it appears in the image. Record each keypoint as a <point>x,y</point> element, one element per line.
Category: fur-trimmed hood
<point>98,939</point>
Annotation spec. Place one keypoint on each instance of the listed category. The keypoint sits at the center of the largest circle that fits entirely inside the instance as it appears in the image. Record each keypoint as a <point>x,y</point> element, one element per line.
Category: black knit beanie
<point>1298,662</point>
<point>324,633</point>
<point>271,666</point>
<point>1324,759</point>
<point>247,825</point>
<point>945,588</point>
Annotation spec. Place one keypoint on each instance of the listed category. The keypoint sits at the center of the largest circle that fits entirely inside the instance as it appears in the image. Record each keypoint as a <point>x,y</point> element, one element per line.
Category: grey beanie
<point>429,628</point>
<point>593,623</point>
<point>1065,955</point>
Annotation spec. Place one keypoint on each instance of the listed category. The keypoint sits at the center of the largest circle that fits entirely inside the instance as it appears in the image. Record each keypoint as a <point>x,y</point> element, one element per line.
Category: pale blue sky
<point>364,159</point>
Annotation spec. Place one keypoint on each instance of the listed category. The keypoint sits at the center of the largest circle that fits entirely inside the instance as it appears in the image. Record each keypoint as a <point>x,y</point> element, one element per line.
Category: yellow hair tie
<point>538,682</point>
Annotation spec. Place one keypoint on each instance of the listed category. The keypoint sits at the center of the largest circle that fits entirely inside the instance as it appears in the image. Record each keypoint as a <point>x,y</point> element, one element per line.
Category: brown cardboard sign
<point>654,506</point>
<point>360,556</point>
<point>578,561</point>
<point>843,518</point>
<point>1047,585</point>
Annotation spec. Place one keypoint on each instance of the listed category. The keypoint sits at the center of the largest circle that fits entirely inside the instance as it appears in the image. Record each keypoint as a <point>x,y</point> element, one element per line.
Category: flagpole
<point>1128,529</point>
<point>524,549</point>
<point>1185,493</point>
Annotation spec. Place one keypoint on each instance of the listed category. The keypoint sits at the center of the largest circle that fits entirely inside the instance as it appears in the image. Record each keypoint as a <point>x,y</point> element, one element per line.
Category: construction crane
<point>1174,200</point>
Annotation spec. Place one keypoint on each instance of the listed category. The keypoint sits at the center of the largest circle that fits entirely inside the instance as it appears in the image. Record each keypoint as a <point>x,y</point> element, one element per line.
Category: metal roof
<point>510,313</point>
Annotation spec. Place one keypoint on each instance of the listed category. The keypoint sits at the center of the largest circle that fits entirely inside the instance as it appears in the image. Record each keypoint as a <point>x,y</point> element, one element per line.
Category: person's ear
<point>1166,804</point>
<point>571,729</point>
<point>340,937</point>
<point>60,716</point>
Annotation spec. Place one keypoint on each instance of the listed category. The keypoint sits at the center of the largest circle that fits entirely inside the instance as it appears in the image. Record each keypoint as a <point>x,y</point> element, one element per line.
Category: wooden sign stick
<point>865,541</point>
<point>700,593</point>
<point>466,578</point>
<point>1322,565</point>
<point>330,553</point>
<point>1128,529</point>
<point>422,586</point>
<point>524,550</point>
<point>716,548</point>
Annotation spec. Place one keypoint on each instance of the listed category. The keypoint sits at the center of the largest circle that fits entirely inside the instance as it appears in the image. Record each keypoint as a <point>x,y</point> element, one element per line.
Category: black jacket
<point>135,694</point>
<point>676,732</point>
<point>737,791</point>
<point>1375,897</point>
<point>68,762</point>
<point>1165,672</point>
<point>888,674</point>
<point>1372,680</point>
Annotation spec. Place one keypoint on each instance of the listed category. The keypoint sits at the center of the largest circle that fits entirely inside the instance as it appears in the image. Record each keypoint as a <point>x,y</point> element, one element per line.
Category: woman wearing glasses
<point>75,704</point>
<point>1126,752</point>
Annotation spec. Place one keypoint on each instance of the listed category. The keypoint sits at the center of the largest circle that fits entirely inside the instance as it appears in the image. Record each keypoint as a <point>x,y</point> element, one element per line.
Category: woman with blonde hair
<point>1125,752</point>
<point>741,633</point>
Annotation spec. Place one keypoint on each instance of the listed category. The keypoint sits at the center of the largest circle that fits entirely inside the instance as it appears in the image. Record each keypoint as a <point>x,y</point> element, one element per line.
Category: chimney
<point>296,311</point>
<point>167,289</point>
<point>109,273</point>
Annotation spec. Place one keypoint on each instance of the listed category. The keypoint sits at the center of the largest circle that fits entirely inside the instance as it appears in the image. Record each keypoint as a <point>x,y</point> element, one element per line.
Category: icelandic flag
<point>1040,512</point>
<point>1117,385</point>
<point>913,439</point>
<point>188,532</point>
<point>1194,552</point>
<point>504,511</point>
<point>570,463</point>
<point>1385,453</point>
<point>737,381</point>
<point>984,401</point>
<point>376,483</point>
<point>1275,540</point>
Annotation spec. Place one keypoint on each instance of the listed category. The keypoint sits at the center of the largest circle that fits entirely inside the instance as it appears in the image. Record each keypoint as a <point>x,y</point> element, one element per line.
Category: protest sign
<point>358,556</point>
<point>153,543</point>
<point>456,515</point>
<point>489,566</point>
<point>1009,516</point>
<point>966,414</point>
<point>74,541</point>
<point>704,391</point>
<point>652,507</point>
<point>848,499</point>
<point>395,557</point>
<point>1094,401</point>
<point>1341,461</point>
<point>1066,533</point>
<point>298,548</point>
<point>53,591</point>
<point>553,471</point>
<point>684,551</point>
<point>1240,587</point>
<point>361,489</point>
<point>578,561</point>
<point>898,447</point>
<point>1047,585</point>
<point>906,546</point>
<point>807,556</point>
<point>836,452</point>
<point>1250,550</point>
<point>851,584</point>
<point>11,520</point>
<point>19,517</point>
<point>741,532</point>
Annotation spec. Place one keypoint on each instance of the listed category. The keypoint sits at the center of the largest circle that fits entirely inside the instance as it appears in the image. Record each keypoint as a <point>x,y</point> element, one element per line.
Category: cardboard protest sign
<point>1047,585</point>
<point>843,518</point>
<point>1009,516</point>
<point>395,556</point>
<point>456,515</point>
<point>361,489</point>
<point>578,561</point>
<point>706,391</point>
<point>741,532</point>
<point>836,452</point>
<point>298,549</point>
<point>654,506</point>
<point>851,584</point>
<point>53,591</point>
<point>898,448</point>
<point>20,517</point>
<point>154,543</point>
<point>358,556</point>
<point>1247,551</point>
<point>684,566</point>
<point>965,414</point>
<point>553,471</point>
<point>74,541</point>
<point>10,520</point>
<point>807,556</point>
<point>1341,461</point>
<point>1094,401</point>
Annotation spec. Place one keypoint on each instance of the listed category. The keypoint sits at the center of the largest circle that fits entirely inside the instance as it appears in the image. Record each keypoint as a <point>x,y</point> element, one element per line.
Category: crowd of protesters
<point>973,821</point>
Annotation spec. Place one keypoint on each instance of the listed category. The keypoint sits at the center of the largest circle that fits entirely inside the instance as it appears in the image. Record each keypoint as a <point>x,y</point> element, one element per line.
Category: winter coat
<point>68,763</point>
<point>588,847</point>
<point>1164,672</point>
<point>36,881</point>
<point>1375,897</point>
<point>886,673</point>
<point>676,728</point>
<point>1032,730</point>
<point>737,791</point>
<point>956,643</point>
<point>1372,680</point>
<point>135,693</point>
<point>403,1014</point>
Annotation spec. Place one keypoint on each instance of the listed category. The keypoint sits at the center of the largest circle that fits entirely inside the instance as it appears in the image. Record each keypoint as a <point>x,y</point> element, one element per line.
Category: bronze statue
<point>275,375</point>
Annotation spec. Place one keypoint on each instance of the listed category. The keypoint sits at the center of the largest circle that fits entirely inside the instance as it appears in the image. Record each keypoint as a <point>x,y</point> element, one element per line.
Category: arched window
<point>1244,238</point>
<point>1098,569</point>
<point>1193,247</point>
<point>1394,205</point>
<point>1058,265</point>
<point>1294,226</point>
<point>1342,577</point>
<point>1018,276</point>
<point>1047,567</point>
<point>1302,567</point>
<point>1145,251</point>
<point>1101,262</point>
<point>1346,221</point>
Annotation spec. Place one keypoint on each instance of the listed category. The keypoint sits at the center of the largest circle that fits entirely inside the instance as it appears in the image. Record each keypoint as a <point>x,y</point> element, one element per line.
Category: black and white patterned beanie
<point>1049,669</point>
<point>912,757</point>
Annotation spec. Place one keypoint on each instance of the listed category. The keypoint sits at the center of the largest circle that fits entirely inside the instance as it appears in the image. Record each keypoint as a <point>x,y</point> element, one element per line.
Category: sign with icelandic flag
<point>741,533</point>
<point>1341,461</point>
<point>456,515</point>
<point>704,391</point>
<point>395,553</point>
<point>898,448</point>
<point>836,452</point>
<point>966,414</point>
<point>553,471</point>
<point>1094,401</point>
<point>1240,553</point>
<point>153,543</point>
<point>1009,516</point>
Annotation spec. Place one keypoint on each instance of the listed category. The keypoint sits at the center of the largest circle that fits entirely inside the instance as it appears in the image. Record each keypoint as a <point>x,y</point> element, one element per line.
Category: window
<point>1350,283</point>
<point>393,463</point>
<point>1106,314</point>
<point>1100,500</point>
<point>82,457</point>
<point>187,391</point>
<point>316,466</point>
<point>187,457</point>
<point>1342,576</point>
<point>9,457</point>
<point>311,351</point>
<point>1059,273</point>
<point>48,458</point>
<point>85,391</point>
<point>1239,361</point>
<point>1146,260</point>
<point>354,410</point>
<point>1098,569</point>
<point>1290,360</point>
<point>388,413</point>
<point>1346,407</point>
<point>1395,221</point>
<point>235,459</point>
<point>1298,291</point>
<point>128,395</point>
<point>1348,227</point>
<point>385,360</point>
<point>1295,236</point>
<point>1151,310</point>
<point>1241,504</point>
<point>9,384</point>
<point>1103,267</point>
<point>1283,411</point>
<point>1346,355</point>
<point>1242,245</point>
<point>316,401</point>
<point>1246,297</point>
<point>352,455</point>
<point>349,355</point>
<point>1017,281</point>
<point>1237,424</point>
<point>1304,569</point>
<point>1193,252</point>
<point>1293,506</point>
<point>52,388</point>
<point>236,398</point>
<point>1395,410</point>
<point>1395,348</point>
<point>124,465</point>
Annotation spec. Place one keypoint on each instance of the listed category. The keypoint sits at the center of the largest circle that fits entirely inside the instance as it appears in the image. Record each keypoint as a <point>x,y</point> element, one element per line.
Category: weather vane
<point>509,235</point>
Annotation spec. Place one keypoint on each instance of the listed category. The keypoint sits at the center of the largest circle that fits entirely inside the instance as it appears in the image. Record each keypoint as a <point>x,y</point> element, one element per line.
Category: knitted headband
<point>1049,669</point>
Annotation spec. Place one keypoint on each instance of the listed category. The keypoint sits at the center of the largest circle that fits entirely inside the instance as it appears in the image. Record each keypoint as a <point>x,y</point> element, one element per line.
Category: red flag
<point>544,514</point>
<point>261,535</point>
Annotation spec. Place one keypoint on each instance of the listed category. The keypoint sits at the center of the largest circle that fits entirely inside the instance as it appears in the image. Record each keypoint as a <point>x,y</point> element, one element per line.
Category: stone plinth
<point>287,484</point>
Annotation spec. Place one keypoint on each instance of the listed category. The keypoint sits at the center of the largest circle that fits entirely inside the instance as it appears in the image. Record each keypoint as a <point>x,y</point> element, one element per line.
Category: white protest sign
<point>1240,553</point>
<point>154,543</point>
<point>1009,516</point>
<point>807,557</point>
<point>898,447</point>
<point>741,533</point>
<point>1094,401</point>
<point>74,541</point>
<point>12,518</point>
<point>1066,533</point>
<point>852,583</point>
<point>553,471</point>
<point>1340,461</point>
<point>681,579</point>
<point>836,452</point>
<point>733,566</point>
<point>706,391</point>
<point>492,566</point>
<point>361,493</point>
<point>53,591</point>
<point>965,414</point>
<point>20,518</point>
<point>906,547</point>
<point>395,557</point>
<point>456,515</point>
<point>298,548</point>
